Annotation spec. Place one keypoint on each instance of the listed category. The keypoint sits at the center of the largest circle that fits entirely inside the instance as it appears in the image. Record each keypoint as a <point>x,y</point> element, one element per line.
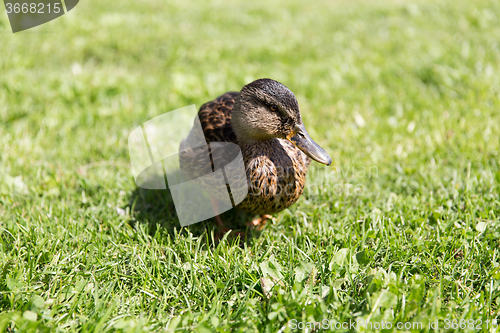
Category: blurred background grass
<point>408,87</point>
<point>424,71</point>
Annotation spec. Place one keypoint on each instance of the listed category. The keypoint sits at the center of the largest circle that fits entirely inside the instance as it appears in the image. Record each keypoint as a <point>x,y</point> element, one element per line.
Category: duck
<point>264,120</point>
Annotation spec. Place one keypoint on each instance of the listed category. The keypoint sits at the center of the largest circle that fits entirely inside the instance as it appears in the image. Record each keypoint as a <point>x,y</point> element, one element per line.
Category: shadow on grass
<point>156,209</point>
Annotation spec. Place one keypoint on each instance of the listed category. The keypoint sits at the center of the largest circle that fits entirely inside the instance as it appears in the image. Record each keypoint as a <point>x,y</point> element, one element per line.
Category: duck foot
<point>221,228</point>
<point>259,222</point>
<point>221,232</point>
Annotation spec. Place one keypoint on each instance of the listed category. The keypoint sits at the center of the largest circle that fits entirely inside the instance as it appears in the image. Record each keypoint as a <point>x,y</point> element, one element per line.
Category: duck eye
<point>274,108</point>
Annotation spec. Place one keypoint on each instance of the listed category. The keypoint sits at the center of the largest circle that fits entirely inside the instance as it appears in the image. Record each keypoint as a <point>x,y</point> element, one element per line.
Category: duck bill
<point>303,141</point>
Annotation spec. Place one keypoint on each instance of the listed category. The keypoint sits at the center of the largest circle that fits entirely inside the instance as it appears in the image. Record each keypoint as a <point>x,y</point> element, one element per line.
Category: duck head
<point>265,109</point>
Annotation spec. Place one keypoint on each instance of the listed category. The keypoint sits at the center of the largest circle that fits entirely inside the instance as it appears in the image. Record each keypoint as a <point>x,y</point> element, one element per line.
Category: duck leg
<point>222,230</point>
<point>215,206</point>
<point>259,222</point>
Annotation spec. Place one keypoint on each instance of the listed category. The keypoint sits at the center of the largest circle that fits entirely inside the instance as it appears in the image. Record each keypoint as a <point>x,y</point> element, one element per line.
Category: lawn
<point>402,228</point>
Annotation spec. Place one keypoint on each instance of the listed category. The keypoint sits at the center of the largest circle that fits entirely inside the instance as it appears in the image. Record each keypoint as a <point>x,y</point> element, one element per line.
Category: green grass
<point>404,227</point>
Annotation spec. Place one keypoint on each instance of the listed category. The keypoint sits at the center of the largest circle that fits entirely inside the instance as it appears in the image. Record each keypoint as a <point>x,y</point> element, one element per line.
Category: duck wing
<point>215,118</point>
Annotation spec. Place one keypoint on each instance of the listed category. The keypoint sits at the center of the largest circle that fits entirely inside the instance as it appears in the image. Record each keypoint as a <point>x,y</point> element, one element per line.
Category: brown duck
<point>264,120</point>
